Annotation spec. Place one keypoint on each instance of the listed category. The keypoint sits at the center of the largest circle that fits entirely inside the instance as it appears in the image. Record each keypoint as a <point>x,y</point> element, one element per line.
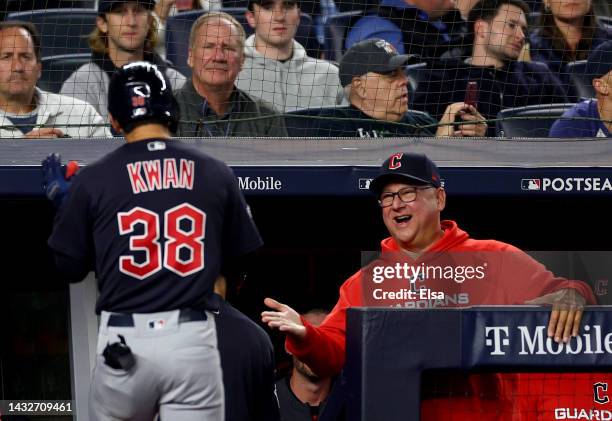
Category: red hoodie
<point>518,278</point>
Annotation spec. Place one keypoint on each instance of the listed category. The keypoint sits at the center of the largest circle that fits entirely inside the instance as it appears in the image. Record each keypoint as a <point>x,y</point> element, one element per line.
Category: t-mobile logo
<point>497,341</point>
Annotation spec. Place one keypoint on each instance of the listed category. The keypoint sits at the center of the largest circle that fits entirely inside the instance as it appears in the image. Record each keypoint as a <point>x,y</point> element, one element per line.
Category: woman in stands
<point>567,31</point>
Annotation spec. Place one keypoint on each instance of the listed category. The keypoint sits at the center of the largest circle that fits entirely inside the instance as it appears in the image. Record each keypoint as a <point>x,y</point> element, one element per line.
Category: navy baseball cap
<point>372,55</point>
<point>105,6</point>
<point>599,61</point>
<point>410,167</point>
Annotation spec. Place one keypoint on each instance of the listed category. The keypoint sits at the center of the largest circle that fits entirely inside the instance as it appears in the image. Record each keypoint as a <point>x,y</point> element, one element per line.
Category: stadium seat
<point>62,31</point>
<point>56,69</point>
<point>415,74</point>
<point>335,28</point>
<point>581,83</point>
<point>178,28</point>
<point>529,121</point>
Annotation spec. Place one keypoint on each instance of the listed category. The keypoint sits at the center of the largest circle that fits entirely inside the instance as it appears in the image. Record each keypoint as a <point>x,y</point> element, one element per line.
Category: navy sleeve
<point>567,127</point>
<point>240,235</point>
<point>72,234</point>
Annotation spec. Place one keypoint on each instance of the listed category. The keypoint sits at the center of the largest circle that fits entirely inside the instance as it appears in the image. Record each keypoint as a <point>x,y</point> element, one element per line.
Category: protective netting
<point>520,65</point>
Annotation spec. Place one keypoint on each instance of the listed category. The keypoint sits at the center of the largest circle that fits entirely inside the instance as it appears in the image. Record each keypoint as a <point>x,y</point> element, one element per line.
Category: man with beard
<point>125,32</point>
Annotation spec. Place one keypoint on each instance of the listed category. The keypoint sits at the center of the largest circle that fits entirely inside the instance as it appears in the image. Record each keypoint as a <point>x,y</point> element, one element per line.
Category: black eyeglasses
<point>406,195</point>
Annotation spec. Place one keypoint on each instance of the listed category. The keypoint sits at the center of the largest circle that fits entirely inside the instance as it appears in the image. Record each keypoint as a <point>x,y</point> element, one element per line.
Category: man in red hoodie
<point>411,197</point>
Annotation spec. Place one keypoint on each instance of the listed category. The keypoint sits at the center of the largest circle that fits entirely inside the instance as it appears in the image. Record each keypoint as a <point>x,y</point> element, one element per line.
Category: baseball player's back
<point>158,220</point>
<point>163,219</point>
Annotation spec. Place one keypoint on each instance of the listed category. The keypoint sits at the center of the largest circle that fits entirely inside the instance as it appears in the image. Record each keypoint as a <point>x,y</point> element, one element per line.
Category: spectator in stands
<point>125,32</point>
<point>277,68</point>
<point>411,197</point>
<point>303,394</point>
<point>428,28</point>
<point>210,103</point>
<point>567,31</point>
<point>165,8</point>
<point>377,89</point>
<point>247,360</point>
<point>25,110</point>
<point>500,28</point>
<point>591,118</point>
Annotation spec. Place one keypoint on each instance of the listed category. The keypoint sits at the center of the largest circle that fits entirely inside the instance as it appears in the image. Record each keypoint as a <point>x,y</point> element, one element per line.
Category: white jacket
<point>59,112</point>
<point>300,82</point>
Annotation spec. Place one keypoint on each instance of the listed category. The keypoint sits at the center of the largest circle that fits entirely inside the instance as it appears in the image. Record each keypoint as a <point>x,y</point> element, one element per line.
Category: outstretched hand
<point>567,307</point>
<point>284,318</point>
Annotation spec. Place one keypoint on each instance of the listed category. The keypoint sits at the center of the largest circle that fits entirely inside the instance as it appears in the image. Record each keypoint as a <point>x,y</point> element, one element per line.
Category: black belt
<point>185,315</point>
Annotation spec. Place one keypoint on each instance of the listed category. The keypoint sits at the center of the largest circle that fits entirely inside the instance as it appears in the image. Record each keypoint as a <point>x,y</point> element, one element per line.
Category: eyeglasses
<point>406,195</point>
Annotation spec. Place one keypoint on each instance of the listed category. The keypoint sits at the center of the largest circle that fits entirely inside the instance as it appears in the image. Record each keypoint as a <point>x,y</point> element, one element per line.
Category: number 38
<point>176,239</point>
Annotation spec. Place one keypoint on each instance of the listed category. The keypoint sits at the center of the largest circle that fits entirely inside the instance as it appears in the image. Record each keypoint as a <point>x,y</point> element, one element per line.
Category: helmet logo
<point>138,101</point>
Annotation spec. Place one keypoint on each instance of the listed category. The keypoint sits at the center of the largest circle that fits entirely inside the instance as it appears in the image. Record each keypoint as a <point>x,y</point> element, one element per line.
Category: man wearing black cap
<point>125,32</point>
<point>372,73</point>
<point>411,197</point>
<point>591,118</point>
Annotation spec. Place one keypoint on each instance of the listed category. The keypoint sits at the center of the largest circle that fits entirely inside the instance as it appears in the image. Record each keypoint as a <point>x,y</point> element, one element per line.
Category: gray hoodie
<point>90,82</point>
<point>300,82</point>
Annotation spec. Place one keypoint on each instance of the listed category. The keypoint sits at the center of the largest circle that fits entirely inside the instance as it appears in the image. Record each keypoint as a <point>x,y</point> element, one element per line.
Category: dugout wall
<point>310,200</point>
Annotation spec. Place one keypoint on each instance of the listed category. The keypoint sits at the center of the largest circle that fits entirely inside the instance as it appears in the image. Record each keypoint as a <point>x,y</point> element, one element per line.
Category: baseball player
<point>158,221</point>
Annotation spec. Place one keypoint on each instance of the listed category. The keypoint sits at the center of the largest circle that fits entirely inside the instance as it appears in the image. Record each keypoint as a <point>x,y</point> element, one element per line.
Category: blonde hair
<point>219,16</point>
<point>98,40</point>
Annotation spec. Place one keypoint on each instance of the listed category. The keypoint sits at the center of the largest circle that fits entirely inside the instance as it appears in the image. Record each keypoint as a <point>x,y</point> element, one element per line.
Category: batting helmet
<point>139,92</point>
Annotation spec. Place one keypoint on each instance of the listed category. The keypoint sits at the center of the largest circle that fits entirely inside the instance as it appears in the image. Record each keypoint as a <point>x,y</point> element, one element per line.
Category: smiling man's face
<point>415,225</point>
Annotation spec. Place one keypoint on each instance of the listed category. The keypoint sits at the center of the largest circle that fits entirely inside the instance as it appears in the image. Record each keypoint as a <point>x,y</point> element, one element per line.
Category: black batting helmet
<point>139,92</point>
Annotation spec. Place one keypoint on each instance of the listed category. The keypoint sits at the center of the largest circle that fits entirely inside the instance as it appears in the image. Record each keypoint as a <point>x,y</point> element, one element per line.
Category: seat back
<point>178,28</point>
<point>529,121</point>
<point>581,83</point>
<point>335,29</point>
<point>62,31</point>
<point>56,69</point>
<point>415,73</point>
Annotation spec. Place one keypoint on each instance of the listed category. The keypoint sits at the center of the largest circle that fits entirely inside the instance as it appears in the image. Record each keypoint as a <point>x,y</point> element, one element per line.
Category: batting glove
<point>57,178</point>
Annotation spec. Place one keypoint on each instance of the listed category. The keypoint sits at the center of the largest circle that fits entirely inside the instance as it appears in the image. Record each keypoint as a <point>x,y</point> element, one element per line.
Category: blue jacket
<point>575,123</point>
<point>515,85</point>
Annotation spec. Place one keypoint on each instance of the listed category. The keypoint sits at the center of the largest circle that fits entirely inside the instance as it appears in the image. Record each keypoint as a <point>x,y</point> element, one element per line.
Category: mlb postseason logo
<point>567,184</point>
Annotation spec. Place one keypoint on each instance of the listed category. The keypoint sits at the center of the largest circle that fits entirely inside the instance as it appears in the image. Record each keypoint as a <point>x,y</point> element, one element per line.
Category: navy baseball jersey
<point>159,220</point>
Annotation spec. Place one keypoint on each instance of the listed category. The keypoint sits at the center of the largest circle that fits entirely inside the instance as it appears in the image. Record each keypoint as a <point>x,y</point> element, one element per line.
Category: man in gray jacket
<point>26,111</point>
<point>277,68</point>
<point>125,32</point>
<point>210,103</point>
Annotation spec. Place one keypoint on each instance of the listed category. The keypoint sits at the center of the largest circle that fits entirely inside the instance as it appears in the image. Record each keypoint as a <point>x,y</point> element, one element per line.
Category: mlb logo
<point>531,184</point>
<point>364,183</point>
<point>157,324</point>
